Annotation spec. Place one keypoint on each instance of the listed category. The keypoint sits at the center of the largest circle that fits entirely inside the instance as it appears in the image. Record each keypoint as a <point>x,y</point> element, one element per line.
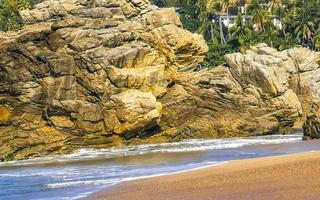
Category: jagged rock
<point>135,111</point>
<point>312,125</point>
<point>89,71</point>
<point>104,73</point>
<point>61,122</point>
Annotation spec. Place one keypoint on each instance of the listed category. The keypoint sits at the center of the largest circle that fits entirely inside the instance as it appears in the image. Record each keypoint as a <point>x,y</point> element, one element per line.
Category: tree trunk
<point>283,29</point>
<point>212,35</point>
<point>228,19</point>
<point>223,41</point>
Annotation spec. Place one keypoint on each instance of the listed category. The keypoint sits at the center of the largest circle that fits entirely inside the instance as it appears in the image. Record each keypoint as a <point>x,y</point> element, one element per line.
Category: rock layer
<point>104,73</point>
<point>311,126</point>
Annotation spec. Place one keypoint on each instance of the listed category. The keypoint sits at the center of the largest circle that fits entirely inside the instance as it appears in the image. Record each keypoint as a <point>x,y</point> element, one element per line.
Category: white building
<point>230,21</point>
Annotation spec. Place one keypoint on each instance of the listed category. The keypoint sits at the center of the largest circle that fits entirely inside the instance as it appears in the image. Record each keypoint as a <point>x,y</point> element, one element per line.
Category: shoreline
<point>278,177</point>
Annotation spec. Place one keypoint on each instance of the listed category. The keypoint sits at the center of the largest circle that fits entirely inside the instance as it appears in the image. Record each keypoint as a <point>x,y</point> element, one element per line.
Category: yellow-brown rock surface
<point>103,73</point>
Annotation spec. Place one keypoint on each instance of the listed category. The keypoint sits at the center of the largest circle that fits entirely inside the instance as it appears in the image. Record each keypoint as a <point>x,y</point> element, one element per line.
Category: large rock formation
<point>263,91</point>
<point>311,126</point>
<point>103,73</point>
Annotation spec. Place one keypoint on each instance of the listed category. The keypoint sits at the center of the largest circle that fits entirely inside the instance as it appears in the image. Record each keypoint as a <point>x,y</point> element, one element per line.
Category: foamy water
<point>89,170</point>
<point>176,147</point>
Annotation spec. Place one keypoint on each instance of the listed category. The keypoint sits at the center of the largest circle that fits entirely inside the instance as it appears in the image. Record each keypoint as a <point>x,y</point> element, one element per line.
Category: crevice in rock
<point>150,132</point>
<point>172,84</point>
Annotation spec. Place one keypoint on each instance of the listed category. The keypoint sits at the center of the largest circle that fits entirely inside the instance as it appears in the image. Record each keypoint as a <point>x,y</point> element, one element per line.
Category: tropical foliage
<point>298,24</point>
<point>9,13</point>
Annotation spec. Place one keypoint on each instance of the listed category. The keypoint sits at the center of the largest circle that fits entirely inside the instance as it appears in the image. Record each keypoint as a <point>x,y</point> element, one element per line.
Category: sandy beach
<point>273,178</point>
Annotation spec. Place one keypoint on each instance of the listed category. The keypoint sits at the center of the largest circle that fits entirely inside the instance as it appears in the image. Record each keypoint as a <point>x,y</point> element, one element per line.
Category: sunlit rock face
<point>89,74</point>
<point>104,73</point>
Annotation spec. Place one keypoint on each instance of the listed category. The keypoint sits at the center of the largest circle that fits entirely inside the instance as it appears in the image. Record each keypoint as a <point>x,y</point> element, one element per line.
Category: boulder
<point>311,126</point>
<point>105,73</point>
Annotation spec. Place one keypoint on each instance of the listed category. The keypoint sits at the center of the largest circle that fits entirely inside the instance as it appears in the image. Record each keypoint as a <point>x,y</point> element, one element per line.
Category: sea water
<point>80,174</point>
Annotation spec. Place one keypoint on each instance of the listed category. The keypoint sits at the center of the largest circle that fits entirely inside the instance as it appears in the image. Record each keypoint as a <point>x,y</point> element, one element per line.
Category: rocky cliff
<point>104,73</point>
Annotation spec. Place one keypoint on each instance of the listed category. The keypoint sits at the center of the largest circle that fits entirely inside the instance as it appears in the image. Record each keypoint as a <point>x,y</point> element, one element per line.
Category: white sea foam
<point>183,146</point>
<point>78,179</point>
<point>79,196</point>
<point>120,180</point>
<point>79,183</point>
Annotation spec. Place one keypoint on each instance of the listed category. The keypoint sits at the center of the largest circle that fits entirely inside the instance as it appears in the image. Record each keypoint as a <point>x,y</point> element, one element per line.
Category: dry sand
<point>274,178</point>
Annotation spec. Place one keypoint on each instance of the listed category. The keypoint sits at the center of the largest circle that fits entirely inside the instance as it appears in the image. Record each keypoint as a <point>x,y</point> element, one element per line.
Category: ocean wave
<point>79,183</point>
<point>193,145</point>
<point>109,182</point>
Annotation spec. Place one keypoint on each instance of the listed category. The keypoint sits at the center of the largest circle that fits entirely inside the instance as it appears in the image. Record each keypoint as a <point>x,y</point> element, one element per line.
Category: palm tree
<point>203,13</point>
<point>243,33</point>
<point>274,6</point>
<point>271,32</point>
<point>215,33</point>
<point>303,29</point>
<point>225,4</point>
<point>304,24</point>
<point>316,40</point>
<point>240,28</point>
<point>259,15</point>
<point>205,9</point>
<point>246,41</point>
<point>219,7</point>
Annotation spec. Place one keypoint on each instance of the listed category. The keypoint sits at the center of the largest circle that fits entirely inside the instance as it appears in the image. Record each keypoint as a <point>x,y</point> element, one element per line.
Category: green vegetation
<point>9,13</point>
<point>299,21</point>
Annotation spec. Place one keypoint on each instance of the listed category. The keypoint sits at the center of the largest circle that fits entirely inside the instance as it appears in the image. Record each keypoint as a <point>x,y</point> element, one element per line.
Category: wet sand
<point>293,177</point>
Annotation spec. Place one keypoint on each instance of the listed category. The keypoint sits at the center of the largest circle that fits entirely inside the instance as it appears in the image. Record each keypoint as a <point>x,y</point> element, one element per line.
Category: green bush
<point>215,55</point>
<point>10,19</point>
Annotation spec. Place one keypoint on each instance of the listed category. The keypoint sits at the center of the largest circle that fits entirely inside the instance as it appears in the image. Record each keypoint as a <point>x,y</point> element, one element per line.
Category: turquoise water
<point>78,175</point>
